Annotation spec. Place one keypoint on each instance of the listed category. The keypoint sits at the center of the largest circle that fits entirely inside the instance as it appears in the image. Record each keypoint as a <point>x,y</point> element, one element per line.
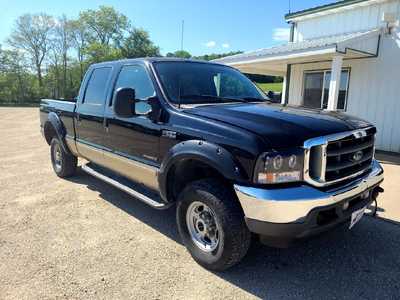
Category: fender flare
<point>210,154</point>
<point>54,120</point>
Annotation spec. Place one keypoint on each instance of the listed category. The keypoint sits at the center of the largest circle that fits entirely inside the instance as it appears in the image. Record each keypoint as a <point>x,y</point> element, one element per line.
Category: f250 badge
<point>169,134</point>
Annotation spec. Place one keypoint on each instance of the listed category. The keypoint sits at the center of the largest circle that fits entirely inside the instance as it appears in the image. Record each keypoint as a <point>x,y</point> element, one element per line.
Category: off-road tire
<point>234,239</point>
<point>68,162</point>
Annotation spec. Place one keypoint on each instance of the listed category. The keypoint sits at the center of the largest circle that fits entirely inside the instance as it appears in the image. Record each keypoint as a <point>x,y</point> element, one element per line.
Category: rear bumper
<point>298,212</point>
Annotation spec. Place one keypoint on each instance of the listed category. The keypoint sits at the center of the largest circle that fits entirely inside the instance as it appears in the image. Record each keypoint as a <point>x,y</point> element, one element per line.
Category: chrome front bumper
<point>293,204</point>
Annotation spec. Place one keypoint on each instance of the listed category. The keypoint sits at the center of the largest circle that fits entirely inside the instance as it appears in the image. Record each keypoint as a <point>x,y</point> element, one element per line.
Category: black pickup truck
<point>203,137</point>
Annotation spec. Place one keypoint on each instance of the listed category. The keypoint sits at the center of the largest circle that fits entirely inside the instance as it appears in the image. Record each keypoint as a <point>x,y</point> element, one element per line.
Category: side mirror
<point>271,95</point>
<point>124,102</point>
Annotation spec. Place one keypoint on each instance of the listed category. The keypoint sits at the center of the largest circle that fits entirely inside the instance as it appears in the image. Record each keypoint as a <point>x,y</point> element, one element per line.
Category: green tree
<point>216,56</point>
<point>97,52</point>
<point>105,25</point>
<point>138,44</point>
<point>49,56</point>
<point>80,39</point>
<point>32,33</point>
<point>61,43</point>
<point>17,85</point>
<point>179,54</point>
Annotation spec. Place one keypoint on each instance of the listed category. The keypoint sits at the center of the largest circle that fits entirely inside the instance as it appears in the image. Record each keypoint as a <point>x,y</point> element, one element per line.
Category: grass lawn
<point>275,87</point>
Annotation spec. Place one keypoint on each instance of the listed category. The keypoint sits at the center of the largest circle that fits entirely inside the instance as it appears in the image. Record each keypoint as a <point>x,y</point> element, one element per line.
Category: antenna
<point>290,6</point>
<point>182,29</point>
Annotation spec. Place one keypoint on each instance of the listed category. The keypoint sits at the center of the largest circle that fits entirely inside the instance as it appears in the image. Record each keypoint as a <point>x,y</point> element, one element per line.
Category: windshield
<point>198,83</point>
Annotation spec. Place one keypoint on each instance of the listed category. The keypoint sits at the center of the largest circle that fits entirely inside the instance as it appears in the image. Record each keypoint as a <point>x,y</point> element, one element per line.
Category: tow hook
<point>374,208</point>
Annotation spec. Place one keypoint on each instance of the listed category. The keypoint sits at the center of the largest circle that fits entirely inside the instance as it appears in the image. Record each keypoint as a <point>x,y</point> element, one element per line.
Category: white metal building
<point>342,56</point>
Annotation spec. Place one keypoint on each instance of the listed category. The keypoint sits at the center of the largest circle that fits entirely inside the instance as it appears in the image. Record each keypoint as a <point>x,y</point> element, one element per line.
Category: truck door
<point>134,142</point>
<point>90,114</point>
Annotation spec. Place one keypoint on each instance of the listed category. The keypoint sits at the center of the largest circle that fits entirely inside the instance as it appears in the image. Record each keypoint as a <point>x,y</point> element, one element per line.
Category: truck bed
<point>63,108</point>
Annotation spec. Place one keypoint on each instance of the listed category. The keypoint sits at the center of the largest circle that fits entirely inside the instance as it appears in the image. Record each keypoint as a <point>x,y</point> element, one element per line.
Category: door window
<point>316,89</point>
<point>97,86</point>
<point>136,77</point>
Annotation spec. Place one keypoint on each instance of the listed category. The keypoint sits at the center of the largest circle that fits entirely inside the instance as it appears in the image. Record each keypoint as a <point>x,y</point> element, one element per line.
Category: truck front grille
<point>337,157</point>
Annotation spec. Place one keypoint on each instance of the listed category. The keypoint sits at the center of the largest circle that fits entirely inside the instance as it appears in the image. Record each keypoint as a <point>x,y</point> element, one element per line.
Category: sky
<point>210,26</point>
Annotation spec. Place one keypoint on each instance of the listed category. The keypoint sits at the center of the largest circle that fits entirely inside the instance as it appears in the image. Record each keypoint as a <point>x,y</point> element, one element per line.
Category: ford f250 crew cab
<point>203,137</point>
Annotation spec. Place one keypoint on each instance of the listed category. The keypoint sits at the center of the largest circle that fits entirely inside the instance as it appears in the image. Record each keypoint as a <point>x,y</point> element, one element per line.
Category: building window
<point>316,89</point>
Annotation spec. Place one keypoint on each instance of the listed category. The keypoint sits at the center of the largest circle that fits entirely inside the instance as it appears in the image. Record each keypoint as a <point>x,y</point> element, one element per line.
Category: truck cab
<point>201,136</point>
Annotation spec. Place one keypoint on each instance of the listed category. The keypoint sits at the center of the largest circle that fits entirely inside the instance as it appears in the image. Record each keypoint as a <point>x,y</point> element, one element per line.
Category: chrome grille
<point>337,157</point>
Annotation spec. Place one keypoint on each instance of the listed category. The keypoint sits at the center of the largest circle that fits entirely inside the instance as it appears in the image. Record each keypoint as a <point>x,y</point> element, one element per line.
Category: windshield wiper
<point>226,99</point>
<point>251,99</point>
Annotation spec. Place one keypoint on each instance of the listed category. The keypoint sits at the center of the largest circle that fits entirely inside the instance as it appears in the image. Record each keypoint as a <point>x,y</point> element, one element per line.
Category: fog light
<point>345,205</point>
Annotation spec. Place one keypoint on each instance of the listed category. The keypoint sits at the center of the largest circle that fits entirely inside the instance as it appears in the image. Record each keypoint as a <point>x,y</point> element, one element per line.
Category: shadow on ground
<point>343,264</point>
<point>388,158</point>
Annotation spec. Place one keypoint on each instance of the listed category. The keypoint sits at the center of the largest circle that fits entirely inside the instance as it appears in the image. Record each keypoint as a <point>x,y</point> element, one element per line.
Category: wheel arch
<point>193,160</point>
<point>54,127</point>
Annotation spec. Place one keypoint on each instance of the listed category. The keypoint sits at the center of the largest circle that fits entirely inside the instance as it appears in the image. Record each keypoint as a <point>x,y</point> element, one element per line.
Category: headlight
<point>280,167</point>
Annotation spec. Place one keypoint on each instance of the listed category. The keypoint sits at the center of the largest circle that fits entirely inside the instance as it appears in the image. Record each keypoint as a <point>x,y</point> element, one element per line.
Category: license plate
<point>356,216</point>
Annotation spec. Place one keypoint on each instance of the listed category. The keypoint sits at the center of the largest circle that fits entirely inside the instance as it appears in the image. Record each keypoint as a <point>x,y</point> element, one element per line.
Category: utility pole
<point>182,29</point>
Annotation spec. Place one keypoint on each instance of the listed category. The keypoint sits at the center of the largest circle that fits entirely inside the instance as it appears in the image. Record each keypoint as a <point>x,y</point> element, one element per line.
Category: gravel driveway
<point>80,238</point>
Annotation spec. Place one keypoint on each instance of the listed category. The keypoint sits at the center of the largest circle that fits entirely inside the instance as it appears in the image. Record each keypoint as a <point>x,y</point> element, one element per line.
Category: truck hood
<point>280,126</point>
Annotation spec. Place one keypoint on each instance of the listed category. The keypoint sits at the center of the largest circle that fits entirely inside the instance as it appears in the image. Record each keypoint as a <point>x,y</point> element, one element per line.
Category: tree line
<point>47,56</point>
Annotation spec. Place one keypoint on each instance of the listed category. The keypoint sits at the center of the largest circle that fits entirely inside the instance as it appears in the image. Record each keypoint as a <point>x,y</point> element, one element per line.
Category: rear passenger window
<point>97,86</point>
<point>136,77</point>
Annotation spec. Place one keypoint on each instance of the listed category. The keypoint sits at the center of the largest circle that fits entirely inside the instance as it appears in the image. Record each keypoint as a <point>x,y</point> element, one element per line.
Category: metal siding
<point>374,83</point>
<point>356,19</point>
<point>374,90</point>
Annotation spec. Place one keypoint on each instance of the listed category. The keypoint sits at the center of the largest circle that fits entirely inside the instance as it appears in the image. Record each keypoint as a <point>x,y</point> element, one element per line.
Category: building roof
<point>335,40</point>
<point>350,45</point>
<point>321,8</point>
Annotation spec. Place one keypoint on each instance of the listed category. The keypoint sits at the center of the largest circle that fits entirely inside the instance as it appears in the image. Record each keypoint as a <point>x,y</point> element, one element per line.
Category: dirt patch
<point>80,238</point>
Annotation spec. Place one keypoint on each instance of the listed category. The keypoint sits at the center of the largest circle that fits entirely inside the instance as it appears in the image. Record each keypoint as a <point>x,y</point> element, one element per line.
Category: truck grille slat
<point>342,162</point>
<point>338,157</point>
<point>341,151</point>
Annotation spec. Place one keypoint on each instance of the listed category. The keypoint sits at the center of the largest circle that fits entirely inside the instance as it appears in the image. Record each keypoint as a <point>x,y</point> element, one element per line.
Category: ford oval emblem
<point>357,156</point>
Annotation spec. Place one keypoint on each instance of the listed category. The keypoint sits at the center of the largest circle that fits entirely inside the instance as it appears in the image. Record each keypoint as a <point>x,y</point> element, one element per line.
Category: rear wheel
<point>211,225</point>
<point>64,164</point>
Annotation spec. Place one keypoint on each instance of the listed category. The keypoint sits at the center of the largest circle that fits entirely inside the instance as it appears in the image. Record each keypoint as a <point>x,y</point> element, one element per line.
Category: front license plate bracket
<point>356,216</point>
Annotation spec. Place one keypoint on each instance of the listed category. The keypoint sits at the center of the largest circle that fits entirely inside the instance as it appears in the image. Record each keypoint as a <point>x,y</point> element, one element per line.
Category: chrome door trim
<point>69,140</point>
<point>130,168</point>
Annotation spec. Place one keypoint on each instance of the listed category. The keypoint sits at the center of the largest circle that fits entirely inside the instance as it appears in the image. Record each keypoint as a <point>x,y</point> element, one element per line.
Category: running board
<point>123,184</point>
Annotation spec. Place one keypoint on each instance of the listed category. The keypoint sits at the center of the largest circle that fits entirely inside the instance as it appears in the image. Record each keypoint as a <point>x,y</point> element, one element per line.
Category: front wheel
<point>211,225</point>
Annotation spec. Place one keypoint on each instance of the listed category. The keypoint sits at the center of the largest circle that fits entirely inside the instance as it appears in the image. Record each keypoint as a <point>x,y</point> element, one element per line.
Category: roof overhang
<point>273,61</point>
